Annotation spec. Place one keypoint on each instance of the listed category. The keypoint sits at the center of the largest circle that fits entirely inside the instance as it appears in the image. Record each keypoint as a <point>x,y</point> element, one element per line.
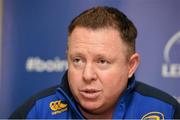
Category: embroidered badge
<point>57,107</point>
<point>153,116</point>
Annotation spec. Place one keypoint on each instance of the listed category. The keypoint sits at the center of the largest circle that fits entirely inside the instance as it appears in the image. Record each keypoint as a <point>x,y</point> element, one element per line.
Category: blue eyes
<point>99,61</point>
<point>81,63</point>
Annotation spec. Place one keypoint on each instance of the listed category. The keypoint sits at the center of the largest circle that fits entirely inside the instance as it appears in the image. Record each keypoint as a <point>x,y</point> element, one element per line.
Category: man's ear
<point>133,64</point>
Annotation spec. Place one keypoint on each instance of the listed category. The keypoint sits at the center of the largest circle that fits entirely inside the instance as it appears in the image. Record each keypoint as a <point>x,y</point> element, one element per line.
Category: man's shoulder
<point>157,97</point>
<point>147,90</point>
<point>44,96</point>
<point>44,93</point>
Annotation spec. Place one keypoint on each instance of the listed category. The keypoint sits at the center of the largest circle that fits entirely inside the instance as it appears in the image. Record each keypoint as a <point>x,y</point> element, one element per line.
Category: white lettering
<point>171,70</point>
<point>36,64</point>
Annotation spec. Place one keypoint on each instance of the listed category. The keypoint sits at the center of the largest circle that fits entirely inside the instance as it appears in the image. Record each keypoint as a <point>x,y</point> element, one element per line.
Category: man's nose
<point>89,73</point>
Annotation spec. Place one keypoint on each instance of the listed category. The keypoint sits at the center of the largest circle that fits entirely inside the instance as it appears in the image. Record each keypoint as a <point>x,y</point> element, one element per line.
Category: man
<point>100,82</point>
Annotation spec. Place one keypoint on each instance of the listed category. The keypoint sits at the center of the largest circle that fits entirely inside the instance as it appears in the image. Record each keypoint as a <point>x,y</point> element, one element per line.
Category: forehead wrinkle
<point>106,45</point>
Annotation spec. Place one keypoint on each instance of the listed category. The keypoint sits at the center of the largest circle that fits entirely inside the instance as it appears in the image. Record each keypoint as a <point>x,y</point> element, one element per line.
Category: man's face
<point>97,68</point>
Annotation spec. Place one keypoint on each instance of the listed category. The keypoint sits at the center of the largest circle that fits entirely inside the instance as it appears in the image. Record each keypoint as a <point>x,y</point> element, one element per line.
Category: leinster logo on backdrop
<point>171,66</point>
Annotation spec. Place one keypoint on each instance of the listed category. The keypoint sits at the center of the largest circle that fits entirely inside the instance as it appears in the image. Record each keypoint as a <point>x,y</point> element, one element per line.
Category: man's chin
<point>91,108</point>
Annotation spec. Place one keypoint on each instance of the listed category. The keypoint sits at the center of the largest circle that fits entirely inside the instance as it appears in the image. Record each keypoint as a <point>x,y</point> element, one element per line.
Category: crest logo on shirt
<point>57,107</point>
<point>153,116</point>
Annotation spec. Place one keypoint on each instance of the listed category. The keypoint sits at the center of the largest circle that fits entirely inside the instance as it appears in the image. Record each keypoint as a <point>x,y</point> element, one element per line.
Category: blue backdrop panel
<point>34,44</point>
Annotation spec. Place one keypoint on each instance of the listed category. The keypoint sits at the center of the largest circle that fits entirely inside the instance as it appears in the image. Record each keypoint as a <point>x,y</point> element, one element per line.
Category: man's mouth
<point>90,93</point>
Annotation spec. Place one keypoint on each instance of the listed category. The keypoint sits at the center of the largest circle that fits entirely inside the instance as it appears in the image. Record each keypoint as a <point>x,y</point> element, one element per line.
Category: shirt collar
<point>124,99</point>
<point>65,91</point>
<point>122,103</point>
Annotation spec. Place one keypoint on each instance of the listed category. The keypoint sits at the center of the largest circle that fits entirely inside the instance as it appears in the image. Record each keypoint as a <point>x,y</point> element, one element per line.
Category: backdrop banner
<point>35,35</point>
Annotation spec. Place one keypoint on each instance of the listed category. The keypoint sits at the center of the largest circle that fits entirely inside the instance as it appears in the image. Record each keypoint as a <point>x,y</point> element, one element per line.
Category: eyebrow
<point>75,54</point>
